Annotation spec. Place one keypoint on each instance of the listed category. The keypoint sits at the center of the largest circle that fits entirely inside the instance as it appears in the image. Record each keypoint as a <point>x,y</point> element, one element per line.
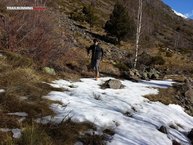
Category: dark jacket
<point>97,52</point>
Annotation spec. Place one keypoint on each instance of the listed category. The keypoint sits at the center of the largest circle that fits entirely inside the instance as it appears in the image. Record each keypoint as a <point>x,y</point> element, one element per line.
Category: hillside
<point>47,92</point>
<point>61,38</point>
<point>160,23</point>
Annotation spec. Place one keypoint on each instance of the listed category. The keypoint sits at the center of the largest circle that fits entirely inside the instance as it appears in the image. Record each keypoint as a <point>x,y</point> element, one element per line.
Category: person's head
<point>95,41</point>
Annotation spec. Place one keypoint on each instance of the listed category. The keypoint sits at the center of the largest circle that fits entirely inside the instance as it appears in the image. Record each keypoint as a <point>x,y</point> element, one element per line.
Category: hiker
<point>97,56</point>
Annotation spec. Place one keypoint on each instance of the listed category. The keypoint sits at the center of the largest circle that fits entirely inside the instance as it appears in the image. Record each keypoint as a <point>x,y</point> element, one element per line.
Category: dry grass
<point>70,76</point>
<point>176,78</point>
<point>23,93</point>
<point>66,133</point>
<point>17,60</point>
<point>19,79</point>
<point>18,76</point>
<point>34,135</point>
<point>24,82</point>
<point>176,63</point>
<point>8,121</point>
<point>6,139</point>
<point>166,96</point>
<point>109,69</point>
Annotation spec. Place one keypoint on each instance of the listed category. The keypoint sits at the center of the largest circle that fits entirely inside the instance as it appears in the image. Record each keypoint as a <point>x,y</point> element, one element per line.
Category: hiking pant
<point>95,65</point>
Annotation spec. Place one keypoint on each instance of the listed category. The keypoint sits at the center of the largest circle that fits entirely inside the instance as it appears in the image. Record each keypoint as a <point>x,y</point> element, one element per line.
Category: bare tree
<point>138,33</point>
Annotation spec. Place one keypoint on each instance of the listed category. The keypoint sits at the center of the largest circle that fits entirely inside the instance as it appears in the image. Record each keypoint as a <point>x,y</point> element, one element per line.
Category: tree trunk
<point>138,33</point>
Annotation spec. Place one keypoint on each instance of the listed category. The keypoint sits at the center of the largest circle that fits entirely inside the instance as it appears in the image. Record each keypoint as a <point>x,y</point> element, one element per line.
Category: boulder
<point>163,129</point>
<point>113,84</point>
<point>49,70</point>
<point>153,74</point>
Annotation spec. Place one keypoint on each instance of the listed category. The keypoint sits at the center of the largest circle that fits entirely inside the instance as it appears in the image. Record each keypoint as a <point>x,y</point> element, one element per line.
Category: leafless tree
<point>138,33</point>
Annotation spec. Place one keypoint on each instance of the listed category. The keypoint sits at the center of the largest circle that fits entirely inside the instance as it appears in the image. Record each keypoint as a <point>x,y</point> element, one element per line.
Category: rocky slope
<point>62,42</point>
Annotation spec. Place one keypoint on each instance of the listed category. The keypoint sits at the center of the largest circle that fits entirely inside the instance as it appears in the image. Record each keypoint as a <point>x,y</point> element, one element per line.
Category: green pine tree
<point>90,17</point>
<point>120,24</point>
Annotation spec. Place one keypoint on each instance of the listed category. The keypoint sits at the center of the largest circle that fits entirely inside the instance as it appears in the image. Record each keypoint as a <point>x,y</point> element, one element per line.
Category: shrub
<point>122,66</point>
<point>148,60</point>
<point>158,60</point>
<point>145,59</point>
<point>6,139</point>
<point>90,17</point>
<point>169,54</point>
<point>77,15</point>
<point>33,135</point>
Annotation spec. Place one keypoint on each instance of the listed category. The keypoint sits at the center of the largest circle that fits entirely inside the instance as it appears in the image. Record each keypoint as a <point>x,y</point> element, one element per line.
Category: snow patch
<point>20,114</point>
<point>2,91</point>
<point>177,107</point>
<point>180,14</point>
<point>134,118</point>
<point>16,132</point>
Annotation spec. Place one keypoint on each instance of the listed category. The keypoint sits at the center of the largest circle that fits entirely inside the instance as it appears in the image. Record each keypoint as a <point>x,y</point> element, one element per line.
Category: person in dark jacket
<point>97,56</point>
